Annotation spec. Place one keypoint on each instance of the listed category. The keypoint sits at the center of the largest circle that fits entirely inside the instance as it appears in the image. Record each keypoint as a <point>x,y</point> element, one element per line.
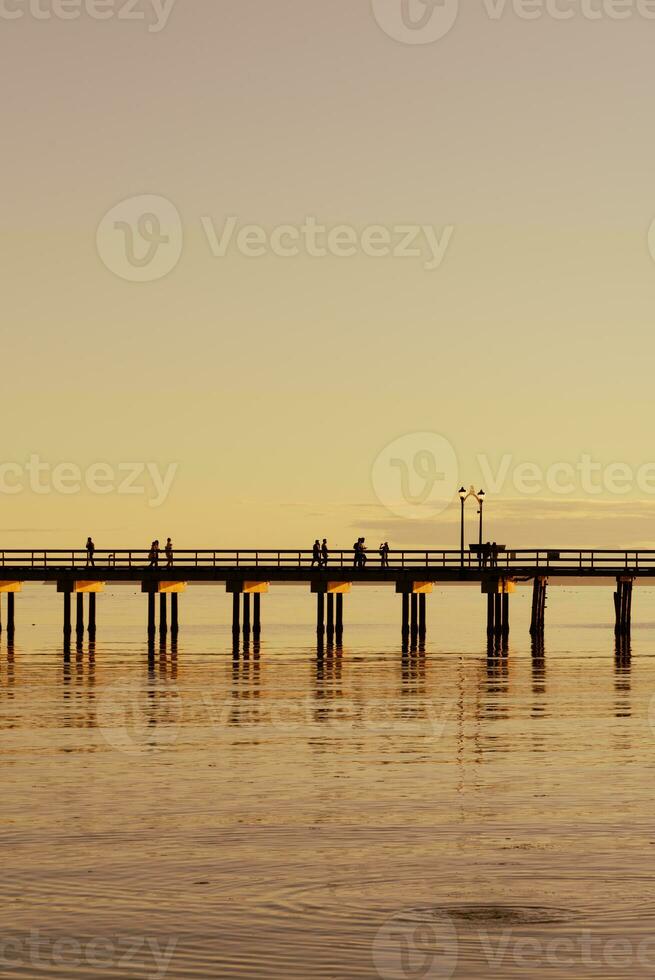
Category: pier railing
<point>548,560</point>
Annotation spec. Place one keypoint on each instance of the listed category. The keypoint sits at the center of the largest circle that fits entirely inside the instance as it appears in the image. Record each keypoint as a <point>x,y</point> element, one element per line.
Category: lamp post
<point>464,494</point>
<point>462,497</point>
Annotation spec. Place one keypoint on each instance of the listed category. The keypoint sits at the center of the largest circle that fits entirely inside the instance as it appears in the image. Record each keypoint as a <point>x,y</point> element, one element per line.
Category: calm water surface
<point>362,813</point>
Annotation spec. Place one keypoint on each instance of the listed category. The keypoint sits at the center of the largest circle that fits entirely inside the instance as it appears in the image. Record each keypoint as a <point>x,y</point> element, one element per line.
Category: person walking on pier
<point>90,551</point>
<point>486,554</point>
<point>325,553</point>
<point>316,554</point>
<point>384,554</point>
<point>494,555</point>
<point>169,553</point>
<point>360,553</point>
<point>154,554</point>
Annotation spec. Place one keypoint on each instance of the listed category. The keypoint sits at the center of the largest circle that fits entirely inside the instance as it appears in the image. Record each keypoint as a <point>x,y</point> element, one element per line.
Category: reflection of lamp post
<point>463,496</point>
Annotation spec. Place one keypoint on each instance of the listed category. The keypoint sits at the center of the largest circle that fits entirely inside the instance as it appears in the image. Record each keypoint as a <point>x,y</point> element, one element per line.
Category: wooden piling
<point>491,613</point>
<point>11,622</point>
<point>175,620</point>
<point>339,615</point>
<point>320,613</point>
<point>257,614</point>
<point>330,614</point>
<point>414,614</point>
<point>151,614</point>
<point>67,615</point>
<point>504,626</point>
<point>163,618</point>
<point>92,614</point>
<point>405,623</point>
<point>236,613</point>
<point>79,619</point>
<point>623,606</point>
<point>246,614</point>
<point>538,605</point>
<point>422,624</point>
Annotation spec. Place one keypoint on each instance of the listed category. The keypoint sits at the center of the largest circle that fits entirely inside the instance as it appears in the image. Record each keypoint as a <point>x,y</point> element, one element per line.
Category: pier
<point>250,574</point>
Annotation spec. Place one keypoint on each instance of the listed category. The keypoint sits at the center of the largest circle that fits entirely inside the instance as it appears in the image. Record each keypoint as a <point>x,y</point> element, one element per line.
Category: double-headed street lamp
<point>464,494</point>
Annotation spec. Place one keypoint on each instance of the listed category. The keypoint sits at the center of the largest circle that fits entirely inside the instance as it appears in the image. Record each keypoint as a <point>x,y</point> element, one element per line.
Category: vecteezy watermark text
<point>318,241</point>
<point>417,476</point>
<point>425,942</point>
<point>43,478</point>
<point>141,239</point>
<point>136,955</point>
<point>155,12</point>
<point>427,21</point>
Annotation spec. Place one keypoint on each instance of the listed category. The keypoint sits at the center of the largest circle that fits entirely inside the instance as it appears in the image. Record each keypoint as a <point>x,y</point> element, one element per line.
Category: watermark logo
<point>416,21</point>
<point>136,719</point>
<point>141,239</point>
<point>416,943</point>
<point>416,475</point>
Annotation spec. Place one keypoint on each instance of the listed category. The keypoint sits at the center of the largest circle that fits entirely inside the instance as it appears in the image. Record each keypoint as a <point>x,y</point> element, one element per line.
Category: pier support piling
<point>405,625</point>
<point>246,614</point>
<point>175,622</point>
<point>236,613</point>
<point>151,614</point>
<point>623,606</point>
<point>257,614</point>
<point>491,614</point>
<point>330,615</point>
<point>11,624</point>
<point>339,616</point>
<point>163,614</point>
<point>504,623</point>
<point>320,613</point>
<point>498,591</point>
<point>422,618</point>
<point>538,605</point>
<point>67,615</point>
<point>498,614</point>
<point>414,620</point>
<point>92,614</point>
<point>79,613</point>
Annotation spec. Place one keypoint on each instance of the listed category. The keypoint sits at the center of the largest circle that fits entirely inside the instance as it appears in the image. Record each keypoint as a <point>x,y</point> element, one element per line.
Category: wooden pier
<point>249,574</point>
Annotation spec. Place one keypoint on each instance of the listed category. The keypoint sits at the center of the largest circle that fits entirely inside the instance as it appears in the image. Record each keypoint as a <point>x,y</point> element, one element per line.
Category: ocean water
<point>282,812</point>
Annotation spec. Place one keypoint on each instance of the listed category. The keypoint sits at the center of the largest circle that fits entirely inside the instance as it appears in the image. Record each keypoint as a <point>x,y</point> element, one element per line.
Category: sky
<point>185,352</point>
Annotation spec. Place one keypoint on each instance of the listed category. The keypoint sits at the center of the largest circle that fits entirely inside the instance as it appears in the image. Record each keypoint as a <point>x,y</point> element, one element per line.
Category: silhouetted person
<point>362,552</point>
<point>494,554</point>
<point>90,551</point>
<point>486,554</point>
<point>316,553</point>
<point>154,554</point>
<point>169,553</point>
<point>384,554</point>
<point>325,553</point>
